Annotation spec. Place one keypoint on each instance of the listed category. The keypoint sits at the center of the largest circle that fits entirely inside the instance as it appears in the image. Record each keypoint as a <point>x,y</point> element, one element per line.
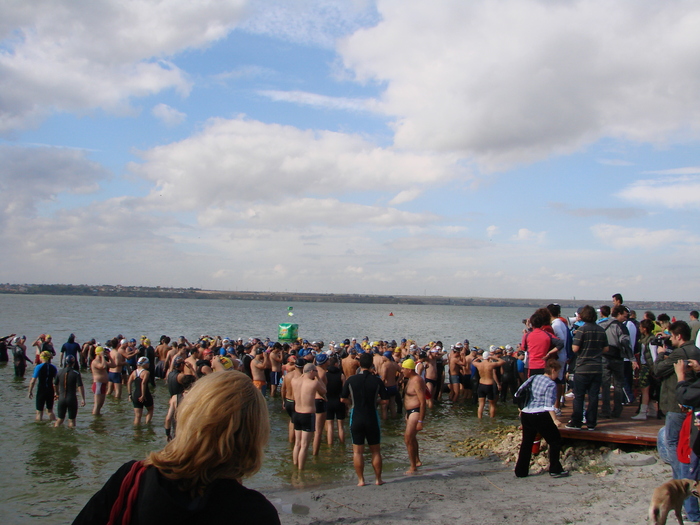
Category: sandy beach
<point>485,491</point>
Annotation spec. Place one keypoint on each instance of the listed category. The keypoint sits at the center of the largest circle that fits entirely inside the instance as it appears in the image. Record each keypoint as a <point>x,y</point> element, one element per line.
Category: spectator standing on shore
<point>683,349</point>
<point>613,361</point>
<point>694,326</point>
<point>539,417</point>
<point>647,357</point>
<point>589,344</point>
<point>540,343</point>
<point>197,477</point>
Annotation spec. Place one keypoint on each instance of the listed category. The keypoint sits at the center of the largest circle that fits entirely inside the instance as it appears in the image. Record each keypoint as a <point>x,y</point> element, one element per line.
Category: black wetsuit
<point>138,389</point>
<point>335,409</point>
<point>174,386</point>
<point>3,351</point>
<point>363,390</point>
<point>44,373</point>
<point>20,360</point>
<point>509,377</point>
<point>68,380</point>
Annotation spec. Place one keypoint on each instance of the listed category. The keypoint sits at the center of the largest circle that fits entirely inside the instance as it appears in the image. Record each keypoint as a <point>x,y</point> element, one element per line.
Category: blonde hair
<point>222,429</point>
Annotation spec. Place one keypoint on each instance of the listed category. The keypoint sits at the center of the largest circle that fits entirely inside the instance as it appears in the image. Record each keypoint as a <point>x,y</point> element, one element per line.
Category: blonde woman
<point>223,427</point>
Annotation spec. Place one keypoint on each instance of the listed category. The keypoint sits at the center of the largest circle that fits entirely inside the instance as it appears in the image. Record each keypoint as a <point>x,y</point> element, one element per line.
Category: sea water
<point>49,473</point>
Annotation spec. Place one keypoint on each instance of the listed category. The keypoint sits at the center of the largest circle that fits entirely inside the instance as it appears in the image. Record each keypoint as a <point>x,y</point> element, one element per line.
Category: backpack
<point>524,394</point>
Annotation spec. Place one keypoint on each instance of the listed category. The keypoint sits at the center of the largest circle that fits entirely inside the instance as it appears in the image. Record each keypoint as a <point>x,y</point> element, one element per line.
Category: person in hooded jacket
<point>223,427</point>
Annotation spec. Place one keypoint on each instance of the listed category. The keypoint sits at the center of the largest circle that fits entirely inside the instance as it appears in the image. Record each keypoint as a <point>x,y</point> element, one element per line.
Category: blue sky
<point>485,148</point>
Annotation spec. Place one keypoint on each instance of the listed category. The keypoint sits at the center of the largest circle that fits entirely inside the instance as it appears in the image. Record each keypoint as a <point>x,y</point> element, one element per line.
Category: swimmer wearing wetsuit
<point>69,383</point>
<point>362,391</point>
<point>139,393</point>
<point>336,409</point>
<point>43,376</point>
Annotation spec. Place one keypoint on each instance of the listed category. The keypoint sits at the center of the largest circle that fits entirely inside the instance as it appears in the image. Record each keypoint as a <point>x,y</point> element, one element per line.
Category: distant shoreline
<point>291,297</point>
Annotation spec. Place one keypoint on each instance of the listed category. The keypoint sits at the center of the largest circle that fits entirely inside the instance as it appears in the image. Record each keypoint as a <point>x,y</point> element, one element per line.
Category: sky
<point>489,148</point>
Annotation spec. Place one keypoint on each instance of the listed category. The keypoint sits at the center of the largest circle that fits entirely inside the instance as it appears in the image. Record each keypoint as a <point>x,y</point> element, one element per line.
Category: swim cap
<point>99,350</point>
<point>48,337</point>
<point>46,355</point>
<point>486,355</point>
<point>142,361</point>
<point>409,363</point>
<point>388,354</point>
<point>70,359</point>
<point>179,360</point>
<point>146,341</point>
<point>321,358</point>
<point>226,363</point>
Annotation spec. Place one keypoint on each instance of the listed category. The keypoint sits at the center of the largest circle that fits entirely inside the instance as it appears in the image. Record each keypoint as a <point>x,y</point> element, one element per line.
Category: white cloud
<point>168,115</point>
<point>32,176</point>
<point>623,238</point>
<point>405,196</point>
<point>241,160</point>
<point>506,81</point>
<point>671,192</point>
<point>491,231</point>
<point>303,212</point>
<point>525,235</point>
<point>321,101</point>
<point>76,56</point>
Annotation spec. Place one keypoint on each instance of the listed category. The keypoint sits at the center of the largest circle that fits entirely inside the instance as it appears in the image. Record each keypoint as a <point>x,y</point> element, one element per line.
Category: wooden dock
<point>619,430</point>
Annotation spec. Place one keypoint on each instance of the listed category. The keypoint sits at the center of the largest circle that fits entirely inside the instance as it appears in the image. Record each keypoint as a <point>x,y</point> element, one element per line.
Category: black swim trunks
<point>413,410</point>
<point>304,422</point>
<point>486,391</point>
<point>321,405</point>
<point>289,407</point>
<point>336,409</point>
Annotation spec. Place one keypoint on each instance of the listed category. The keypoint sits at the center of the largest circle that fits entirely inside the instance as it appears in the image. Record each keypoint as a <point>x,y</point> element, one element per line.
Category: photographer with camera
<point>669,373</point>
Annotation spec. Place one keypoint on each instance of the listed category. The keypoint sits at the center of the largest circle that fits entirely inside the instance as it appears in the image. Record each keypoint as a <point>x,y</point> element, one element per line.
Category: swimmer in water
<point>139,394</point>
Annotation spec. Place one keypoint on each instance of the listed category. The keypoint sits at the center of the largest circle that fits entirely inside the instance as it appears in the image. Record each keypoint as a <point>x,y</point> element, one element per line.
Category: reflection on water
<point>54,457</point>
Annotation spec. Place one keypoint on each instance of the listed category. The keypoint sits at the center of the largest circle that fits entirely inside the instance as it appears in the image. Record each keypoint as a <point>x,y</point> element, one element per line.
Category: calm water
<point>49,473</point>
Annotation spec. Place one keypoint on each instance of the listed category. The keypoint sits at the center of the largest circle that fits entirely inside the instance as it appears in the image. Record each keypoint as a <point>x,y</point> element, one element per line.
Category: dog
<point>671,495</point>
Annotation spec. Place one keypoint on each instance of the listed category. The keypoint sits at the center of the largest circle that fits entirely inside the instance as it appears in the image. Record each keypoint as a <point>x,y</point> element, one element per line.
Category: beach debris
<point>582,456</point>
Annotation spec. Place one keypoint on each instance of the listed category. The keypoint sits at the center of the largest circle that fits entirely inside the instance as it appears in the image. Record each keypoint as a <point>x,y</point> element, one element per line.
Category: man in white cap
<point>486,365</point>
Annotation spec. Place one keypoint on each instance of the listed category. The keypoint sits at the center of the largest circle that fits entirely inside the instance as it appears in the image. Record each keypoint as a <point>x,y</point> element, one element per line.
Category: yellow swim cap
<point>46,355</point>
<point>226,363</point>
<point>409,363</point>
<point>99,350</point>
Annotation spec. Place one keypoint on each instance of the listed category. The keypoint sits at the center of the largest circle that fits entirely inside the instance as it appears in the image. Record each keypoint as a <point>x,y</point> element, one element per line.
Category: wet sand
<point>482,492</point>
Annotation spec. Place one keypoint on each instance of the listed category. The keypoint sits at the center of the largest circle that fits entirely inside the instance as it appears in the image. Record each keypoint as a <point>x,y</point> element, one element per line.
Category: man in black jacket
<point>669,368</point>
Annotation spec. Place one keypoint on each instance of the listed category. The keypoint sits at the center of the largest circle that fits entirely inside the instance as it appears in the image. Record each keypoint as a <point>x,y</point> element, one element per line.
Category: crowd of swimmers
<point>318,384</point>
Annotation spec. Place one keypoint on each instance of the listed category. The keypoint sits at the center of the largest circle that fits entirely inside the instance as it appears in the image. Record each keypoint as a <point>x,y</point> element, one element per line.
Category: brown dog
<point>671,495</point>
